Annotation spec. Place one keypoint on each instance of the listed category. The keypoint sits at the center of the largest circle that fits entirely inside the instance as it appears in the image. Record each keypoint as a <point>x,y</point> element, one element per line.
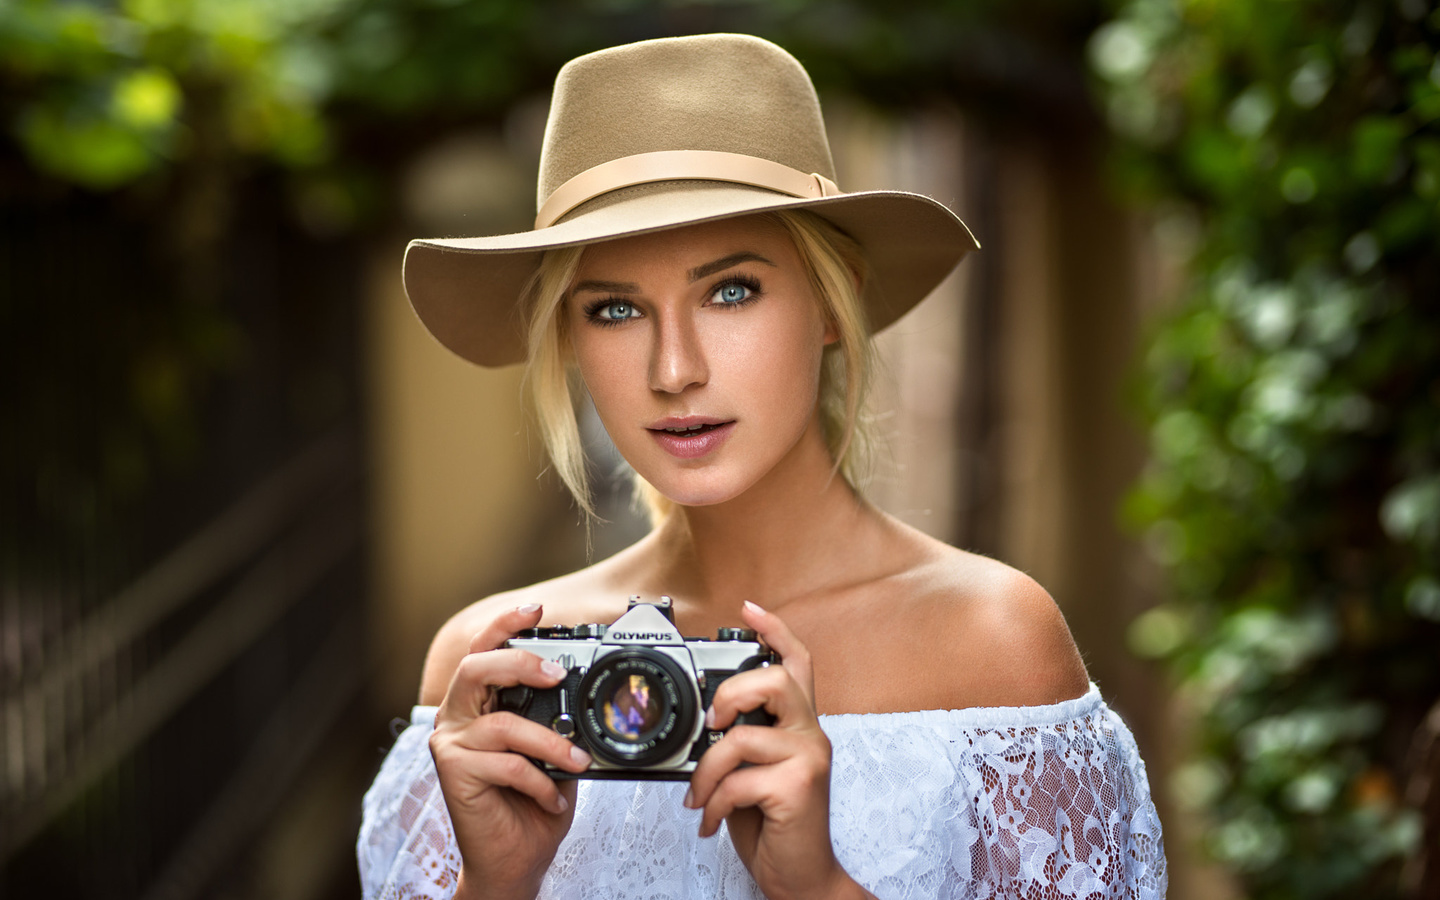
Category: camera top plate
<point>643,624</point>
<point>651,624</point>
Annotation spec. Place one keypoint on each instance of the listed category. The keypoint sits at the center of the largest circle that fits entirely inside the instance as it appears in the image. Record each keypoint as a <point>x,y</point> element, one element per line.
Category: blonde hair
<point>835,266</point>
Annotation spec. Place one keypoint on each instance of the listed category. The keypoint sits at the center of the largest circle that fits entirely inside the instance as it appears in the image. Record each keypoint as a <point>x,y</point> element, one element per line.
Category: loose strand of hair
<point>547,374</point>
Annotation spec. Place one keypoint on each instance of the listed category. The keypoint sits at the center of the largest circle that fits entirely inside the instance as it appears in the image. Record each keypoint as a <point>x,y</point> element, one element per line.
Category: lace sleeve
<point>406,848</point>
<point>1040,803</point>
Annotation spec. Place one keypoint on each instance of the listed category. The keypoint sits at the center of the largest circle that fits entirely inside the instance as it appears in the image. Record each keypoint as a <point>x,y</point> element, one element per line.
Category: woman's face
<point>701,348</point>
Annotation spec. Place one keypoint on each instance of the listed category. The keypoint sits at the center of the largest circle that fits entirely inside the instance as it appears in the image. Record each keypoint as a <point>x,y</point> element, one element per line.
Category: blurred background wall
<point>243,487</point>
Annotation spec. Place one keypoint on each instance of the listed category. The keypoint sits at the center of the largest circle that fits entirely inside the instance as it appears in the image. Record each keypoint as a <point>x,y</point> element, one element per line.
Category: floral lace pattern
<point>1040,802</point>
<point>407,849</point>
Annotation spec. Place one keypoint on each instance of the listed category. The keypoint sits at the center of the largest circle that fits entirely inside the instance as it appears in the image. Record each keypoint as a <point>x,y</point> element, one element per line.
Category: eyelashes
<point>722,296</point>
<point>733,292</point>
<point>610,311</point>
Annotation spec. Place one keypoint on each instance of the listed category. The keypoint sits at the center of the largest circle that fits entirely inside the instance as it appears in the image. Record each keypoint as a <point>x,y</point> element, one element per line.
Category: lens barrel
<point>637,708</point>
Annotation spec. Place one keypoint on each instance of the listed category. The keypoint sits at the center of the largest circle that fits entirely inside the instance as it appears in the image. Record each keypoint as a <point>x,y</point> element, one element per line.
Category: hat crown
<point>723,92</point>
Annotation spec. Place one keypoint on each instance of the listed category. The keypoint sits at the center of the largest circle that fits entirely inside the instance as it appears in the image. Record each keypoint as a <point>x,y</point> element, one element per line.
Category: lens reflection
<point>631,709</point>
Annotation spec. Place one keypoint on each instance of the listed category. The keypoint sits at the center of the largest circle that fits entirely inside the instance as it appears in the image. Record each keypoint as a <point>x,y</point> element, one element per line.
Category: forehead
<point>684,248</point>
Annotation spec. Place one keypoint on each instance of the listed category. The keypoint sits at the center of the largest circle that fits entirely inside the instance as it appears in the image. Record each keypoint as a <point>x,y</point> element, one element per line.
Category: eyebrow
<point>724,263</point>
<point>607,287</point>
<point>695,274</point>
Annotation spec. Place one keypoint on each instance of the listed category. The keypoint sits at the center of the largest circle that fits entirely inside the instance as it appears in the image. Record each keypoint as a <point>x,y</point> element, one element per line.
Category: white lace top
<point>1036,802</point>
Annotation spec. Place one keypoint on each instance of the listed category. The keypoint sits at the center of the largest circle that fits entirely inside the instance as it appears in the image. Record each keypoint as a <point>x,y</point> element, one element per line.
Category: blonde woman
<point>696,270</point>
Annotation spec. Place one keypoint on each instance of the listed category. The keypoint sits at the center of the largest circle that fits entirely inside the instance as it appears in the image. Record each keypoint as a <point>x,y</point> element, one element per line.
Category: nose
<point>677,360</point>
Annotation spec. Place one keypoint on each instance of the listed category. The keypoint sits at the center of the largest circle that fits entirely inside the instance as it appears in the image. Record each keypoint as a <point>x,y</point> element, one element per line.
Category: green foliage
<point>110,93</point>
<point>1294,488</point>
<point>103,94</point>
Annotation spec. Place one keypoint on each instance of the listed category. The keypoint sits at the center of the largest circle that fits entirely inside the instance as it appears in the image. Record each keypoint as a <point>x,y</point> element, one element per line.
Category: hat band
<point>681,165</point>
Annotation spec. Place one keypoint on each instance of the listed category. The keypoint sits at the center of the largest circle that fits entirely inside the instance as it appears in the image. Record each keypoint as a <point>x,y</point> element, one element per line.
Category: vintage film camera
<point>637,691</point>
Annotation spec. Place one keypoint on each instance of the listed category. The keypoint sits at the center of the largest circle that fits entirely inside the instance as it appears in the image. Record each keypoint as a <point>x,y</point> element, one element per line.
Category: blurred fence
<point>191,700</point>
<point>182,529</point>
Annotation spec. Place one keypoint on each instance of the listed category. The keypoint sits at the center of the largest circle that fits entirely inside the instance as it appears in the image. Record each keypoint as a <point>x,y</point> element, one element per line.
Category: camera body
<point>637,691</point>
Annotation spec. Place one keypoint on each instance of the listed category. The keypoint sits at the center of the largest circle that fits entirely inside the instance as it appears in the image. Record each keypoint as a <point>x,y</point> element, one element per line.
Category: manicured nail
<point>528,608</point>
<point>553,669</point>
<point>689,798</point>
<point>754,608</point>
<point>579,757</point>
<point>710,718</point>
<point>561,804</point>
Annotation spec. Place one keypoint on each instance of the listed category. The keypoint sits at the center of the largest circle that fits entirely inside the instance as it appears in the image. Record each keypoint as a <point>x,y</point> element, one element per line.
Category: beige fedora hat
<point>672,132</point>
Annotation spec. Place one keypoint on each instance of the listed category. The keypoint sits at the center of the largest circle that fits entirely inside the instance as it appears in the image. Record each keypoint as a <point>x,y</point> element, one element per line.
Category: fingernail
<point>528,608</point>
<point>754,609</point>
<point>579,757</point>
<point>689,798</point>
<point>553,669</point>
<point>561,804</point>
<point>710,718</point>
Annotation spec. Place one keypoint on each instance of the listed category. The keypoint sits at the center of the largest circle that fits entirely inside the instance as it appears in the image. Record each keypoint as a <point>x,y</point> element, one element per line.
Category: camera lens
<point>637,708</point>
<point>633,708</point>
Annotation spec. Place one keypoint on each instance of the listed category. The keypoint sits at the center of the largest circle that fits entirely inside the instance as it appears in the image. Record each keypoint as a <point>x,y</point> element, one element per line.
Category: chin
<point>697,498</point>
<point>706,491</point>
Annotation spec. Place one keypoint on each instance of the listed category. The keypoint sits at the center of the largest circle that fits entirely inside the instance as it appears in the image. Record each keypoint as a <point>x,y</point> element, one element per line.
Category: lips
<point>691,437</point>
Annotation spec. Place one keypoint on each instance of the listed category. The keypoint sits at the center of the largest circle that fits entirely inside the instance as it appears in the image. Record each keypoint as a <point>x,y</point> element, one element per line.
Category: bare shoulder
<point>1011,644</point>
<point>939,628</point>
<point>558,597</point>
<point>982,633</point>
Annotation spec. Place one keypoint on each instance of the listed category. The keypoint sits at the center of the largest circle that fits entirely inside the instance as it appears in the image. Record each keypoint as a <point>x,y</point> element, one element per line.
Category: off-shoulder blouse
<point>1035,802</point>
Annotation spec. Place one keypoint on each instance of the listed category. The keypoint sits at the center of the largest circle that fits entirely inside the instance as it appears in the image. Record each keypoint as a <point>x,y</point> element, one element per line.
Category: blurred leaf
<point>85,148</point>
<point>1376,147</point>
<point>146,100</point>
<point>1411,512</point>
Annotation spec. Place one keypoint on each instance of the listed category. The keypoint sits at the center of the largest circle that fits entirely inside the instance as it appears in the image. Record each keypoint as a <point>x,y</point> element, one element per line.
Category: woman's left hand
<point>772,784</point>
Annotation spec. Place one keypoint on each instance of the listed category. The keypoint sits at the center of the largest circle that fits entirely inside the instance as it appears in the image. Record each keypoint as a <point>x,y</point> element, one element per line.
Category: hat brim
<point>466,290</point>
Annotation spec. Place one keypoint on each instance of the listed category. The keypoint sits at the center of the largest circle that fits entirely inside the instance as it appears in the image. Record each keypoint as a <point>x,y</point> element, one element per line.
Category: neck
<point>792,533</point>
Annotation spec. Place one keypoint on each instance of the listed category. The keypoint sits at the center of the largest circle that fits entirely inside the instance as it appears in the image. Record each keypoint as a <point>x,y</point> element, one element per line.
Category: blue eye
<point>615,312</point>
<point>733,293</point>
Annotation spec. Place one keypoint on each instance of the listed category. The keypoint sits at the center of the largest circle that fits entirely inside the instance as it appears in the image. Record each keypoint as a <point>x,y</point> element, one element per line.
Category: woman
<point>696,267</point>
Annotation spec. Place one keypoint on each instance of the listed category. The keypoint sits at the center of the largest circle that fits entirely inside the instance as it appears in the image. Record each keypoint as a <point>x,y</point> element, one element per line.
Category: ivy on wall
<point>1293,493</point>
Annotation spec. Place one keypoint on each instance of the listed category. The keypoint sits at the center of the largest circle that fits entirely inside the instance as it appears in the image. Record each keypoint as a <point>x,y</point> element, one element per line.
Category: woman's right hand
<point>509,816</point>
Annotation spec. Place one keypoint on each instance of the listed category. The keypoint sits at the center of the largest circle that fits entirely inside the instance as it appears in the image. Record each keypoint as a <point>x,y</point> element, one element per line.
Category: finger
<point>793,654</point>
<point>505,731</point>
<point>505,626</point>
<point>745,744</point>
<point>742,788</point>
<point>482,771</point>
<point>478,673</point>
<point>568,789</point>
<point>773,688</point>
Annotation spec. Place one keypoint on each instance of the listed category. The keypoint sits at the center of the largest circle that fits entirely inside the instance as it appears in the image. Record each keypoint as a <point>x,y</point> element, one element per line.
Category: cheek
<point>614,375</point>
<point>783,362</point>
<point>601,355</point>
<point>613,393</point>
<point>600,372</point>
